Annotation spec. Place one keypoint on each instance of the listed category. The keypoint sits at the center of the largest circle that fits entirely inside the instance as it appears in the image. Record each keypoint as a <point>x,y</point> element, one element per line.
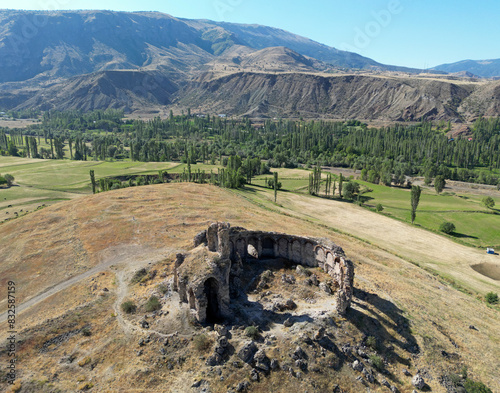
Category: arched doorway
<point>267,248</point>
<point>212,293</point>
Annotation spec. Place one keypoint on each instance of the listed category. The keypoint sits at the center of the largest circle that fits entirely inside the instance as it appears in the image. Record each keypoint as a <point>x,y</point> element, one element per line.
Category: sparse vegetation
<point>476,387</point>
<point>252,332</point>
<point>86,332</point>
<point>202,343</point>
<point>371,342</point>
<point>129,307</point>
<point>139,275</point>
<point>377,362</point>
<point>488,202</point>
<point>162,288</point>
<point>153,304</point>
<point>491,298</point>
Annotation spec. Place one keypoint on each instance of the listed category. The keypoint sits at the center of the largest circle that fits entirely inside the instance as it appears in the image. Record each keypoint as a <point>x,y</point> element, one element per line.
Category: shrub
<point>377,362</point>
<point>129,307</point>
<point>9,178</point>
<point>371,342</point>
<point>489,202</point>
<point>202,343</point>
<point>86,332</point>
<point>447,227</point>
<point>153,304</point>
<point>163,288</point>
<point>379,207</point>
<point>252,332</point>
<point>476,387</point>
<point>492,298</point>
<point>139,275</point>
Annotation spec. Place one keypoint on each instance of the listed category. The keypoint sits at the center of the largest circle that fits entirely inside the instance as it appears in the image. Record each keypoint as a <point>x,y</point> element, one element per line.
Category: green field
<point>41,182</point>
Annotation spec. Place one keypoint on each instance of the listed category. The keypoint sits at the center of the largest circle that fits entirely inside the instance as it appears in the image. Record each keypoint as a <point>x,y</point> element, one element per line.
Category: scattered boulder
<point>325,288</point>
<point>299,354</point>
<point>320,334</point>
<point>368,375</point>
<point>214,360</point>
<point>287,279</point>
<point>302,364</point>
<point>357,365</point>
<point>418,382</point>
<point>262,362</point>
<point>288,322</point>
<point>243,386</point>
<point>254,375</point>
<point>290,305</point>
<point>406,372</point>
<point>274,364</point>
<point>247,352</point>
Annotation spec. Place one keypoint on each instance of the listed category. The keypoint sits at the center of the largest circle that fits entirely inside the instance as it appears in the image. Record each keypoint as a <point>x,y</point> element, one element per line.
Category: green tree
<point>275,185</point>
<point>439,183</point>
<point>379,207</point>
<point>415,199</point>
<point>341,184</point>
<point>9,179</point>
<point>492,297</point>
<point>351,189</point>
<point>12,149</point>
<point>489,202</point>
<point>427,179</point>
<point>92,180</point>
<point>447,227</point>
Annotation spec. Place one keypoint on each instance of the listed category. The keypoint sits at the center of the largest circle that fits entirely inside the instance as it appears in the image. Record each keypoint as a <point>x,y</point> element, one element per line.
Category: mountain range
<point>149,61</point>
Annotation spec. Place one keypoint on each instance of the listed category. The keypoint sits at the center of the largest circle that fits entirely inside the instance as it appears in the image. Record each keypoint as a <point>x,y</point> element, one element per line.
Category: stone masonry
<point>202,275</point>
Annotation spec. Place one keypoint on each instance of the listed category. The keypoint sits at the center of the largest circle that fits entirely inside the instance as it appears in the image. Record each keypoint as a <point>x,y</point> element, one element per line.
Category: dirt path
<point>128,257</point>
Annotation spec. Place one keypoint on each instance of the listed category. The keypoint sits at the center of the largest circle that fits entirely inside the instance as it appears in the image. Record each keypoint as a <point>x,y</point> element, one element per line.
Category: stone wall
<point>237,245</point>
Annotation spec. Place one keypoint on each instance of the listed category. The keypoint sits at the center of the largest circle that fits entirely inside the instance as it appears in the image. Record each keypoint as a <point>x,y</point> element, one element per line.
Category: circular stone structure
<point>202,276</point>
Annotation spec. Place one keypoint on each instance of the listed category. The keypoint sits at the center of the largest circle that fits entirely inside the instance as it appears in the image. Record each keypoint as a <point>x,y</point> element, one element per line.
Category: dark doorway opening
<point>267,247</point>
<point>212,294</point>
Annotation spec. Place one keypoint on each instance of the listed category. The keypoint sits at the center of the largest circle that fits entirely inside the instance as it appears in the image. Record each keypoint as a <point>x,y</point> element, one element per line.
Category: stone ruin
<point>202,277</point>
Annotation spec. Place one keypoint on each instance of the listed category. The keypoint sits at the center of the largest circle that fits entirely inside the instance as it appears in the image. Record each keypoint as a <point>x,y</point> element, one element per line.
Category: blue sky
<point>413,33</point>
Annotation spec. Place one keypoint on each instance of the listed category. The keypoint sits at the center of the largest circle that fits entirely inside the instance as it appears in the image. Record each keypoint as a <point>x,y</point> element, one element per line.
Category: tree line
<point>386,155</point>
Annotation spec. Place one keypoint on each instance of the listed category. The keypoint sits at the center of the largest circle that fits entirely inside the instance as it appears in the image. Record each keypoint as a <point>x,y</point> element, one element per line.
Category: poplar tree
<point>92,180</point>
<point>275,186</point>
<point>415,198</point>
<point>341,182</point>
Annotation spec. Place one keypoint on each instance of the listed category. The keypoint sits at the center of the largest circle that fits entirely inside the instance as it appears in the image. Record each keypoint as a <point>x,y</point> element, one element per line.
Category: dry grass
<point>150,223</point>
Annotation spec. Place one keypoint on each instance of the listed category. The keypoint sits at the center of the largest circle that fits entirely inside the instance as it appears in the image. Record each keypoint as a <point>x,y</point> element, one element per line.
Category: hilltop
<point>76,337</point>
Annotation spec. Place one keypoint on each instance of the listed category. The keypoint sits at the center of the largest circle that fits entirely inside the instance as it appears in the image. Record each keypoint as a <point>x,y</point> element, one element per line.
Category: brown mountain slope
<point>364,97</point>
<point>128,90</point>
<point>485,101</point>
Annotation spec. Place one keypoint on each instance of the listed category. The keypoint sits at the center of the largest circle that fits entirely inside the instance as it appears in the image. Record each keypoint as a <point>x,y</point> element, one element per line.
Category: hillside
<point>350,96</point>
<point>127,90</point>
<point>83,254</point>
<point>152,62</point>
